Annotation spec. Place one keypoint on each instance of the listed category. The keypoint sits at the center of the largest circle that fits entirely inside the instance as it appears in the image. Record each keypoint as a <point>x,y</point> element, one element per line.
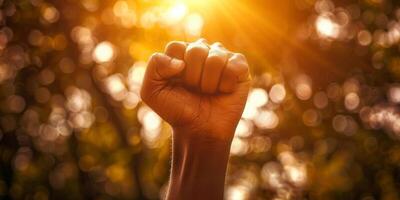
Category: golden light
<point>267,120</point>
<point>250,111</point>
<point>116,87</point>
<point>90,5</point>
<point>115,173</point>
<point>148,20</point>
<point>271,174</point>
<point>126,15</point>
<point>239,146</point>
<point>77,99</point>
<point>82,35</point>
<point>192,3</point>
<point>326,27</point>
<point>152,124</point>
<point>277,93</point>
<point>351,101</point>
<point>237,192</point>
<point>258,97</point>
<point>120,8</point>
<point>151,128</point>
<point>6,72</point>
<point>193,25</point>
<point>295,170</point>
<point>81,120</point>
<point>351,85</point>
<point>131,100</point>
<point>243,129</point>
<point>151,121</point>
<point>303,91</point>
<point>303,87</point>
<point>136,75</point>
<point>50,14</point>
<point>297,174</point>
<point>176,13</point>
<point>393,94</point>
<point>104,52</point>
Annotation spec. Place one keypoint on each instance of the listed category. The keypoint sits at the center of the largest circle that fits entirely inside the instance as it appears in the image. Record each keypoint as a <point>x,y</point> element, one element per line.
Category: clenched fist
<point>201,91</point>
<point>198,88</point>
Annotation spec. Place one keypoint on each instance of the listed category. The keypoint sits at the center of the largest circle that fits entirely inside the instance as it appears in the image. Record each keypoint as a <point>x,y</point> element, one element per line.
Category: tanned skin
<point>200,90</point>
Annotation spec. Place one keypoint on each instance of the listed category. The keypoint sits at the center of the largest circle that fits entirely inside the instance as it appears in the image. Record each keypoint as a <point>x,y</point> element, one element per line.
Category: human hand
<point>201,91</point>
<point>198,88</point>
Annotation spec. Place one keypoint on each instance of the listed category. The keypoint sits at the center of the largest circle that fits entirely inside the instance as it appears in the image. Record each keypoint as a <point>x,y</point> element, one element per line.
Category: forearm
<point>198,167</point>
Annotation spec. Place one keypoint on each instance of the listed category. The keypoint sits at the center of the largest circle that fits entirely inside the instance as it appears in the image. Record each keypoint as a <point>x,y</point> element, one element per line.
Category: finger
<point>176,49</point>
<point>213,68</point>
<point>221,46</point>
<point>160,68</point>
<point>236,71</point>
<point>195,56</point>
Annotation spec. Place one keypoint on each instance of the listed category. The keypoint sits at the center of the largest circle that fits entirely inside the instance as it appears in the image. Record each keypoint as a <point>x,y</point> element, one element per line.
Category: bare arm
<point>200,90</point>
<point>198,168</point>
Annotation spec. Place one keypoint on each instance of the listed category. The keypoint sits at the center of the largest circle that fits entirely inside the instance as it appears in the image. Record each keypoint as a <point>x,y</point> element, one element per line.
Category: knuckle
<point>217,44</point>
<point>239,62</point>
<point>154,57</point>
<point>216,60</point>
<point>197,50</point>
<point>240,57</point>
<point>174,45</point>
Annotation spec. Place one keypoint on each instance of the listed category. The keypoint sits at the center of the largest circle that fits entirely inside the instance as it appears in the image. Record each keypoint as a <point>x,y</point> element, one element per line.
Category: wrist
<point>214,137</point>
<point>198,165</point>
<point>195,146</point>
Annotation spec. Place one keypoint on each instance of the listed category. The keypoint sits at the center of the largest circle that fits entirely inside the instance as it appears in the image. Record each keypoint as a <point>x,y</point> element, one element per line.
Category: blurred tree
<point>322,121</point>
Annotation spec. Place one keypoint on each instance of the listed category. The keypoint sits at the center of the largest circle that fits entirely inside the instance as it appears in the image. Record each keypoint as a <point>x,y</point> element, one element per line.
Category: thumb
<point>162,67</point>
<point>159,70</point>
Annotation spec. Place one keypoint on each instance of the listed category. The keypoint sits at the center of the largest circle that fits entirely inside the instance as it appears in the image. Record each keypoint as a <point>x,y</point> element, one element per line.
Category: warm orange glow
<point>104,52</point>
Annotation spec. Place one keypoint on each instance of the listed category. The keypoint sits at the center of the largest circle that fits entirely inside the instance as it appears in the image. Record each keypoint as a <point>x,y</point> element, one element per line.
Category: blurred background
<point>322,120</point>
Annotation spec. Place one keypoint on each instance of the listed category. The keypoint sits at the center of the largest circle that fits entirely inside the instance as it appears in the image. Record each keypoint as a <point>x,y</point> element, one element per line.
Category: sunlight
<point>104,52</point>
<point>176,12</point>
<point>326,27</point>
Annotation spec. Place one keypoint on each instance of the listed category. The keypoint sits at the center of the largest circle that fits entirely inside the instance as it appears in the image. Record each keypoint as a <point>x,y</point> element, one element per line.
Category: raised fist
<point>198,88</point>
